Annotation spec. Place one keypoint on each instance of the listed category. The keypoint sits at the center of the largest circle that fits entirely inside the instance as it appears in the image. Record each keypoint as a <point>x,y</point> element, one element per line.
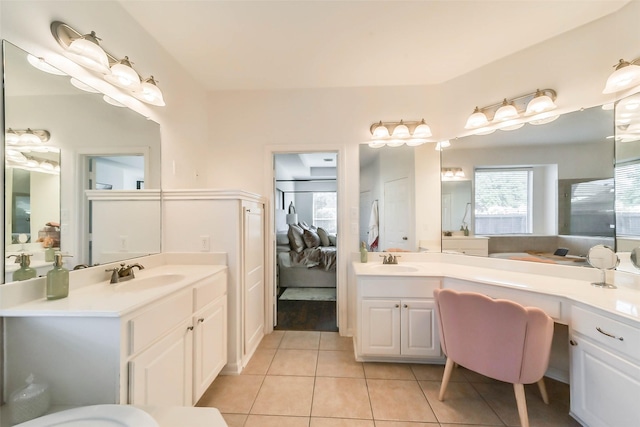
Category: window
<point>325,212</point>
<point>503,201</point>
<point>627,177</point>
<point>592,208</point>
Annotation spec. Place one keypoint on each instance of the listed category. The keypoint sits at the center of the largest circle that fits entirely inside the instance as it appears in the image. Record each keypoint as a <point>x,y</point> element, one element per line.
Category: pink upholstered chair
<point>499,339</point>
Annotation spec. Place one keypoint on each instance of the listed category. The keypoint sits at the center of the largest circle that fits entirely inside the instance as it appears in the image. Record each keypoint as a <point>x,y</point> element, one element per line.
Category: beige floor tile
<point>341,398</point>
<point>340,422</point>
<point>271,340</point>
<point>388,371</point>
<point>399,400</point>
<point>276,421</point>
<point>406,424</point>
<point>338,364</point>
<point>462,404</point>
<point>232,394</point>
<point>425,372</point>
<point>260,362</point>
<point>300,363</point>
<point>501,398</point>
<point>301,340</point>
<point>235,420</point>
<point>284,395</point>
<point>333,341</point>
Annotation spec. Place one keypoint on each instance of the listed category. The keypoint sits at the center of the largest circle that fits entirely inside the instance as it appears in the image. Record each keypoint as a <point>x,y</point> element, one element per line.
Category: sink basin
<point>395,268</point>
<point>142,283</point>
<point>95,416</point>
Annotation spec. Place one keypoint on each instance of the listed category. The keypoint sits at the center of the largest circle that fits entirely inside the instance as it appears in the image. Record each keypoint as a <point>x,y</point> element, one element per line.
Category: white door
<point>398,230</point>
<point>420,336</point>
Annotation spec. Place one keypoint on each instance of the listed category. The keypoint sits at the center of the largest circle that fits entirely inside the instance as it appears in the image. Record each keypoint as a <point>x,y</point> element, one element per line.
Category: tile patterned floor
<point>311,379</point>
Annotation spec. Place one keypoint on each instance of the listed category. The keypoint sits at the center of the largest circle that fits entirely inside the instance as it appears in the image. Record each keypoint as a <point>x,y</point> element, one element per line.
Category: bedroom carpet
<point>306,315</point>
<point>309,294</point>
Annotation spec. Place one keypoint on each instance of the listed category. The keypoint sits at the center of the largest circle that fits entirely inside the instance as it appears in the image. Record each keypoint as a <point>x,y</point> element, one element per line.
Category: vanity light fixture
<point>443,144</point>
<point>451,174</point>
<point>511,114</point>
<point>625,76</point>
<point>85,50</point>
<point>412,133</point>
<point>26,136</point>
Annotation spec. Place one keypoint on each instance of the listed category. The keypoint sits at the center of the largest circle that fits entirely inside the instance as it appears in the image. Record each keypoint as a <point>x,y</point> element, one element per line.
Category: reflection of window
<point>592,208</point>
<point>503,201</point>
<point>627,178</point>
<point>325,211</point>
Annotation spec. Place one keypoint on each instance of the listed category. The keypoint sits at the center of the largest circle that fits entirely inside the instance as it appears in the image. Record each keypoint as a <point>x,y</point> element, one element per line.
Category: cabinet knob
<point>405,306</point>
<point>397,305</point>
<point>405,238</point>
<point>573,343</point>
<point>189,328</point>
<point>200,320</point>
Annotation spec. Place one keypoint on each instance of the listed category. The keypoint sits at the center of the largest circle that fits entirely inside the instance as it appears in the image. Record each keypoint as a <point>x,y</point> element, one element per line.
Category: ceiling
<point>264,44</point>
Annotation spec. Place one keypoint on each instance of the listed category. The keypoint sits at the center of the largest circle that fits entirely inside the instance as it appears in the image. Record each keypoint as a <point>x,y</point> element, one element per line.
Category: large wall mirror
<point>540,193</point>
<point>627,173</point>
<point>69,157</point>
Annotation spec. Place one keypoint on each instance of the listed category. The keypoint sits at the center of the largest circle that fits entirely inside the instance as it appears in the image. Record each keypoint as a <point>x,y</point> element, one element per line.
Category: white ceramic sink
<point>143,283</point>
<point>95,416</point>
<point>394,268</point>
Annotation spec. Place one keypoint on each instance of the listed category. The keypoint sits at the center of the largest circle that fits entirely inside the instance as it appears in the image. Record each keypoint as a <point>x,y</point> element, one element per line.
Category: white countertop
<point>113,300</point>
<point>623,301</point>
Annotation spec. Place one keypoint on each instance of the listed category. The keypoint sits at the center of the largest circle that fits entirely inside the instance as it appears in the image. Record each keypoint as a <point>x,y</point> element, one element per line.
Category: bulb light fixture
<point>535,108</point>
<point>27,136</point>
<point>626,75</point>
<point>395,134</point>
<point>452,174</point>
<point>85,50</point>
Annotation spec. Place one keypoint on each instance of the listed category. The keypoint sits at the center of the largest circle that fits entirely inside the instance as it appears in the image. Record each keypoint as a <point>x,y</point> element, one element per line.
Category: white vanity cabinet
<point>605,369</point>
<point>397,319</point>
<point>164,353</point>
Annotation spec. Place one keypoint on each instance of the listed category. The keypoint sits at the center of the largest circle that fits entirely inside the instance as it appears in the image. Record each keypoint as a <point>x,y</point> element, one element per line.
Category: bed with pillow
<point>306,257</point>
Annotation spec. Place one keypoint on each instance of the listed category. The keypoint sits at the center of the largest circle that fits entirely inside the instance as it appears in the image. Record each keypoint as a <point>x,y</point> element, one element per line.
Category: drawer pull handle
<point>200,320</point>
<point>608,334</point>
<point>573,343</point>
<point>189,328</point>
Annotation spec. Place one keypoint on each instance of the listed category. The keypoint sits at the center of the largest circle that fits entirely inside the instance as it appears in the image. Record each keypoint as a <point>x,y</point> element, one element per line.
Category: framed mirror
<point>88,184</point>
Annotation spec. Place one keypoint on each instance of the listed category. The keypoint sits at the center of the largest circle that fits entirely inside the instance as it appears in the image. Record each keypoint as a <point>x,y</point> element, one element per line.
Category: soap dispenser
<point>57,279</point>
<point>24,272</point>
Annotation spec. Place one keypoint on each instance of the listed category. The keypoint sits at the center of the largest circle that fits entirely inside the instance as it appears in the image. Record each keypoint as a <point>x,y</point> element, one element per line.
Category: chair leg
<point>521,401</point>
<point>448,368</point>
<point>543,391</point>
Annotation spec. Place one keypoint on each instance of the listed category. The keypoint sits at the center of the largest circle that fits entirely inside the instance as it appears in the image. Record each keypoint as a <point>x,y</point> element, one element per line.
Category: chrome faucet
<point>123,273</point>
<point>389,259</point>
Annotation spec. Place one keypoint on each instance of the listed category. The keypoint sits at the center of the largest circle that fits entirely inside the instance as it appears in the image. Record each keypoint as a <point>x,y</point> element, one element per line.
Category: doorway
<point>306,223</point>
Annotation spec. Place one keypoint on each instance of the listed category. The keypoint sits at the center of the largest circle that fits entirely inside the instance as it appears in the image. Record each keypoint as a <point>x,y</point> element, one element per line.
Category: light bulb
<point>476,120</point>
<point>401,131</point>
<point>422,130</point>
<point>506,112</point>
<point>625,76</point>
<point>86,51</point>
<point>380,131</point>
<point>539,104</point>
<point>123,75</point>
<point>150,93</point>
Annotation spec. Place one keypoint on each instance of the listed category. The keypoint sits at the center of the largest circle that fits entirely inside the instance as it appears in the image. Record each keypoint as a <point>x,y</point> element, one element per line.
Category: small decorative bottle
<point>364,255</point>
<point>24,272</point>
<point>57,280</point>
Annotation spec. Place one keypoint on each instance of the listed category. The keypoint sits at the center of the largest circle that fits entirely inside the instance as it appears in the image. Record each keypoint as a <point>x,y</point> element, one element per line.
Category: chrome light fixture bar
<point>85,50</point>
<point>625,76</point>
<point>535,108</point>
<point>395,134</point>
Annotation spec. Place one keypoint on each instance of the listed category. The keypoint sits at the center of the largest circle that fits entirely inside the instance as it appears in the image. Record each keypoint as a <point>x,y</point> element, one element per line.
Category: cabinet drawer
<point>209,289</point>
<point>549,304</point>
<point>398,287</point>
<point>469,244</point>
<point>614,334</point>
<point>158,319</point>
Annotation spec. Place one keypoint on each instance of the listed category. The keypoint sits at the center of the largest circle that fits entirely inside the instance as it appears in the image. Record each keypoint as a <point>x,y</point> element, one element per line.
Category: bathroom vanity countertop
<point>113,300</point>
<point>623,301</point>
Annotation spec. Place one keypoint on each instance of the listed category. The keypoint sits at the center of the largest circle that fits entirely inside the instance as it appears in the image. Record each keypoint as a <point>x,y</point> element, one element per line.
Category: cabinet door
<point>253,267</point>
<point>209,345</point>
<point>163,374</point>
<point>380,326</point>
<point>604,387</point>
<point>419,333</point>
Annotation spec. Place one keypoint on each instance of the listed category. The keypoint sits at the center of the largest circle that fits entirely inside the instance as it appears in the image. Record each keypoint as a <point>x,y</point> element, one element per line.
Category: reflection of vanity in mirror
<point>90,185</point>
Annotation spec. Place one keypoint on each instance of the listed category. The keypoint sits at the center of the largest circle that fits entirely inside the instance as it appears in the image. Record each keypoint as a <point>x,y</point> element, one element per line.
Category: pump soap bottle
<point>24,272</point>
<point>57,279</point>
